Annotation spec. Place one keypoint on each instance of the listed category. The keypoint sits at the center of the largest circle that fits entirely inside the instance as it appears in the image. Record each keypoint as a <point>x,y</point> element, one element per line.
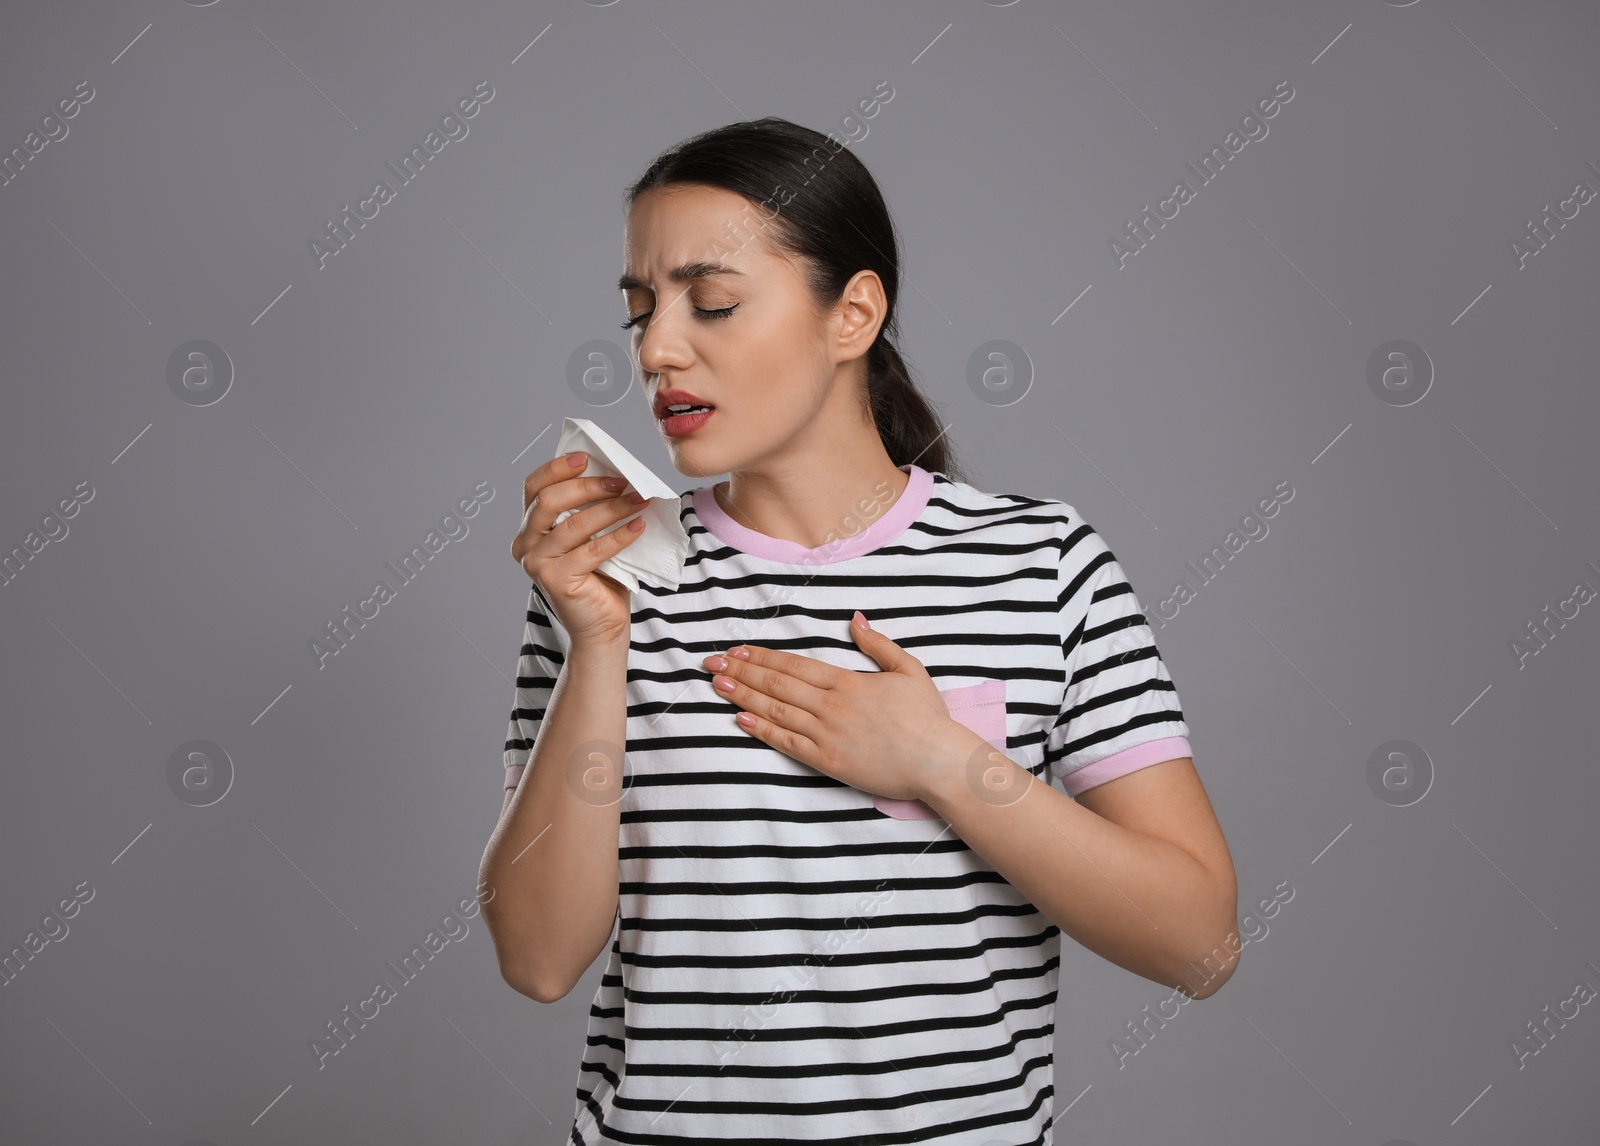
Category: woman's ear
<point>861,310</point>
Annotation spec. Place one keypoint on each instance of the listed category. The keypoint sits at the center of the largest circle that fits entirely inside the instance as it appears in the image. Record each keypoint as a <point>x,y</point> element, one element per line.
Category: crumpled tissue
<point>658,554</point>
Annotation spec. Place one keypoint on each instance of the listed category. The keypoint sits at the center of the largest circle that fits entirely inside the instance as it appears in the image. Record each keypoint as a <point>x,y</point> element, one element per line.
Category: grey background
<point>1228,356</point>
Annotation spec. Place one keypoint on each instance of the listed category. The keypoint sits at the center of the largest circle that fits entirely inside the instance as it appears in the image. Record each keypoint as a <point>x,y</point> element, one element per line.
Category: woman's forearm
<point>1142,902</point>
<point>552,860</point>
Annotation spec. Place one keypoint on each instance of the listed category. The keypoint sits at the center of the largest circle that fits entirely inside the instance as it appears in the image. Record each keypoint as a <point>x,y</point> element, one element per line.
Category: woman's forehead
<point>697,232</point>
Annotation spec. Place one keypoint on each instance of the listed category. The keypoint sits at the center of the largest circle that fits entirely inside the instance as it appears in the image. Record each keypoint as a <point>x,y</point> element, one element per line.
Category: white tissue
<point>658,554</point>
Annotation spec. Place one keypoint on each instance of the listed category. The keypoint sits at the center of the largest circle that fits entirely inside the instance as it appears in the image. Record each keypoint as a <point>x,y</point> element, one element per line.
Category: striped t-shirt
<point>795,959</point>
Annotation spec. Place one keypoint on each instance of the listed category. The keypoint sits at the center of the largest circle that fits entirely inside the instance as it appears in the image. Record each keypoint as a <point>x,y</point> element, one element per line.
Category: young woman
<point>837,864</point>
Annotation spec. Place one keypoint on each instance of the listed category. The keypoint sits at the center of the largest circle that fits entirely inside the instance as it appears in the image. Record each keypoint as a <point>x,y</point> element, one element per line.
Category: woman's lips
<point>676,425</point>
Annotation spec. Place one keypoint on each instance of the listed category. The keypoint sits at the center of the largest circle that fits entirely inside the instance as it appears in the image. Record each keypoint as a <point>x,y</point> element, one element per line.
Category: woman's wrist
<point>601,651</point>
<point>959,770</point>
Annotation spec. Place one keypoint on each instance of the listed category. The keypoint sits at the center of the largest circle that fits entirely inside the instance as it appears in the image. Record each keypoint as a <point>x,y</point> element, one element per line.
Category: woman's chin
<point>691,461</point>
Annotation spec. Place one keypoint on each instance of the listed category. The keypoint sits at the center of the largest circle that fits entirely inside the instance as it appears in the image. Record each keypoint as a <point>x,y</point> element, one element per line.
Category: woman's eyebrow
<point>681,274</point>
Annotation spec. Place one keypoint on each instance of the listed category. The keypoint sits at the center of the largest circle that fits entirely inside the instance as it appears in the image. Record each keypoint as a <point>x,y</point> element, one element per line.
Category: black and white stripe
<point>791,963</point>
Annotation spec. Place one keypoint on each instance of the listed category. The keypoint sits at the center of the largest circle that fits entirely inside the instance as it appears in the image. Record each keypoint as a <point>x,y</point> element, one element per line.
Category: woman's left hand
<point>887,733</point>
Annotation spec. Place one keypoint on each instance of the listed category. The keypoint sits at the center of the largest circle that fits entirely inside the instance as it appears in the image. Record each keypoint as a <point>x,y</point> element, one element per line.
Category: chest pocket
<point>980,707</point>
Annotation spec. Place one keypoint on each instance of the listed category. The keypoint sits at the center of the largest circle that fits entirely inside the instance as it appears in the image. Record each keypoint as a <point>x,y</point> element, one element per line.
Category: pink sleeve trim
<point>514,775</point>
<point>1128,760</point>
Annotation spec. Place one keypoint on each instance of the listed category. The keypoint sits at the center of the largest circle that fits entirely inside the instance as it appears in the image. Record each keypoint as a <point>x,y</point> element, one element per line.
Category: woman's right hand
<point>562,559</point>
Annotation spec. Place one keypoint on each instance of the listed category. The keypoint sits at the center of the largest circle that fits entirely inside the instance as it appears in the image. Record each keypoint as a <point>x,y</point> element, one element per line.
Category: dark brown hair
<point>819,202</point>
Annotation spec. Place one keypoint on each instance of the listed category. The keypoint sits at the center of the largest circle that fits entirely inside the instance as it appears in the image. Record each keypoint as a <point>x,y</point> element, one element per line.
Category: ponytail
<point>906,422</point>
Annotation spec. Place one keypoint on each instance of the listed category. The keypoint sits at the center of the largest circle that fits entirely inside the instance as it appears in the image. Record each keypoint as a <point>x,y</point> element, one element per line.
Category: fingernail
<point>614,484</point>
<point>637,498</point>
<point>740,653</point>
<point>577,459</point>
<point>723,683</point>
<point>861,621</point>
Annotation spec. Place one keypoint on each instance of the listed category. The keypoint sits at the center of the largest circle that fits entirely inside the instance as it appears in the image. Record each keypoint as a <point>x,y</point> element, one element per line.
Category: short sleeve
<point>1119,709</point>
<point>538,666</point>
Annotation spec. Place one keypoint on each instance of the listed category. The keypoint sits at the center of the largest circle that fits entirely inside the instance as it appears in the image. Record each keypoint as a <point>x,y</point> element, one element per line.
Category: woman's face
<point>747,340</point>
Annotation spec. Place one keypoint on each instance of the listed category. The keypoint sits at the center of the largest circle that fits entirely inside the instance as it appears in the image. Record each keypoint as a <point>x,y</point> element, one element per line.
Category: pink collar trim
<point>890,525</point>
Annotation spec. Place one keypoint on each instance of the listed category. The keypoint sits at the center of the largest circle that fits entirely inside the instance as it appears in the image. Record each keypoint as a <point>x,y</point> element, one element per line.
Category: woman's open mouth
<point>685,419</point>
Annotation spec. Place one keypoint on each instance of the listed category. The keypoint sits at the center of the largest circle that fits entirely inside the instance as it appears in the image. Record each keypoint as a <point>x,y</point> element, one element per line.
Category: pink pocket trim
<point>980,707</point>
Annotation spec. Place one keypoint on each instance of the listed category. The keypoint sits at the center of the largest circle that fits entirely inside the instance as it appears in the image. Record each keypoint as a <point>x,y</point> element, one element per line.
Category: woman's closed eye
<point>699,313</point>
